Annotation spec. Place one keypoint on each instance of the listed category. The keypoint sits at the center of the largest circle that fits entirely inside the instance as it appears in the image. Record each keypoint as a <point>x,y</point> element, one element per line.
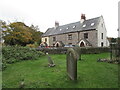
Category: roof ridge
<point>93,18</point>
<point>70,27</point>
<point>79,21</point>
<point>69,24</point>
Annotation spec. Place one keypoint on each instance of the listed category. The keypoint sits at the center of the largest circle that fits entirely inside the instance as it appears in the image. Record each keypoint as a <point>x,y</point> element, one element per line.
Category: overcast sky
<point>44,13</point>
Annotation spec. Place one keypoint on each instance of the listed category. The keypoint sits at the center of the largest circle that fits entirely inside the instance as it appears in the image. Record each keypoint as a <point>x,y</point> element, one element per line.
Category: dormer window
<point>74,26</point>
<point>92,24</point>
<point>67,28</point>
<point>60,29</point>
<point>84,25</point>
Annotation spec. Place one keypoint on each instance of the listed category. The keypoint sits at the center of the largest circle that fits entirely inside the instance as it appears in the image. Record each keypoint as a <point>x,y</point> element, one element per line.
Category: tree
<point>17,33</point>
<point>113,40</point>
<point>2,27</point>
<point>36,34</point>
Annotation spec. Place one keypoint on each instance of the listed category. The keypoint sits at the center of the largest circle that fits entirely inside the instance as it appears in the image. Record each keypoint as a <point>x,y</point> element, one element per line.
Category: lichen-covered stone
<point>78,53</point>
<point>72,64</point>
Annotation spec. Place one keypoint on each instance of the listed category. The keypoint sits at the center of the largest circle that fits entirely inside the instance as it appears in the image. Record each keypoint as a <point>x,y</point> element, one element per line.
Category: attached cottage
<point>85,33</point>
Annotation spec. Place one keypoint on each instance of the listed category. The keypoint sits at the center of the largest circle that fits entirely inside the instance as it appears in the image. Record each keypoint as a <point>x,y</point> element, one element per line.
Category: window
<point>60,29</point>
<point>74,26</point>
<point>84,25</point>
<point>54,38</point>
<point>67,28</point>
<point>69,43</point>
<point>92,24</point>
<point>101,35</point>
<point>53,45</point>
<point>102,24</point>
<point>45,39</point>
<point>70,37</point>
<point>85,35</point>
<point>101,44</point>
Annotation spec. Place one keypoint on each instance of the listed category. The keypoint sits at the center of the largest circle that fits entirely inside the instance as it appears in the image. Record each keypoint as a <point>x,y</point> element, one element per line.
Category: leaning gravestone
<point>51,63</point>
<point>72,64</point>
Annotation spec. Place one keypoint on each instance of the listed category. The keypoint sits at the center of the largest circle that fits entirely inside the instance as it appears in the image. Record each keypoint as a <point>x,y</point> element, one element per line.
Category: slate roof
<point>73,27</point>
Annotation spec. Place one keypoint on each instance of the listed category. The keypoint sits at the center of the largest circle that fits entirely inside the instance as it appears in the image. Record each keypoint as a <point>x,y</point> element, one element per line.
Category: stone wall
<point>64,39</point>
<point>76,37</point>
<point>92,37</point>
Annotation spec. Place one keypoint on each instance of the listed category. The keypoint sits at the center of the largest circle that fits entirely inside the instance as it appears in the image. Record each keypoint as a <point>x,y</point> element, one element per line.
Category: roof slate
<point>69,27</point>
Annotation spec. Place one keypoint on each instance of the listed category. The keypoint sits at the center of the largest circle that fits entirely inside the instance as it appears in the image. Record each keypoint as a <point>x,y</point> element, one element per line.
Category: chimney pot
<point>83,18</point>
<point>56,24</point>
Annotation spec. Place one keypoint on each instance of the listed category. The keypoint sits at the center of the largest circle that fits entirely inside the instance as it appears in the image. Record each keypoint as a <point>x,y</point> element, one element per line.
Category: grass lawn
<point>37,74</point>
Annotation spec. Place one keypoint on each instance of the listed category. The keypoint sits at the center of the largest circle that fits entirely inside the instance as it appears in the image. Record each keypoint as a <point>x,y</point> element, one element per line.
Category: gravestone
<point>71,64</point>
<point>51,63</point>
<point>78,52</point>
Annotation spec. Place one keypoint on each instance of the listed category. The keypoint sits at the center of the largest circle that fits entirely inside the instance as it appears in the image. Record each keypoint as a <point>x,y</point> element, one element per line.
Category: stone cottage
<point>85,33</point>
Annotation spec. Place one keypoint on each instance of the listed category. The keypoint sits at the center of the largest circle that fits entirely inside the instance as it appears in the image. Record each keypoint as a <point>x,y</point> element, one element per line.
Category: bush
<point>83,50</point>
<point>53,50</point>
<point>94,50</point>
<point>14,54</point>
<point>30,45</point>
<point>35,45</point>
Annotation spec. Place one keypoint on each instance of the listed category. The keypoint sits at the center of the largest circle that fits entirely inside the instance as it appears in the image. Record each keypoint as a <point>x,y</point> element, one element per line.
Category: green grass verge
<point>37,74</point>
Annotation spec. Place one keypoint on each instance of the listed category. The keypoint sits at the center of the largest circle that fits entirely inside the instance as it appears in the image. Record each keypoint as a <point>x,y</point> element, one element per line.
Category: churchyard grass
<point>37,74</point>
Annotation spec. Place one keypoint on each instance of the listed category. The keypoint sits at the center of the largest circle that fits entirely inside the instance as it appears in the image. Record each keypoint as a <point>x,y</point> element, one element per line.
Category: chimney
<point>83,18</point>
<point>56,24</point>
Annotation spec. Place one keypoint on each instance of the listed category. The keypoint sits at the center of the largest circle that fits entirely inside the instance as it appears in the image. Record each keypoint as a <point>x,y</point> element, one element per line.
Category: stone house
<point>85,33</point>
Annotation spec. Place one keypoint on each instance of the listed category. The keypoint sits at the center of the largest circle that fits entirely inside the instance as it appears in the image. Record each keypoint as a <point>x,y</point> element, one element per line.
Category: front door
<point>82,44</point>
<point>57,45</point>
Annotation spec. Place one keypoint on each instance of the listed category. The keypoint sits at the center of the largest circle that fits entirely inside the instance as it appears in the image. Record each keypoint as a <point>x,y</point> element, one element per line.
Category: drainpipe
<point>78,36</point>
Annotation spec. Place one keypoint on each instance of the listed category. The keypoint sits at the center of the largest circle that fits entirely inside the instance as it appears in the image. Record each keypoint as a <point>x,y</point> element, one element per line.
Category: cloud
<point>45,12</point>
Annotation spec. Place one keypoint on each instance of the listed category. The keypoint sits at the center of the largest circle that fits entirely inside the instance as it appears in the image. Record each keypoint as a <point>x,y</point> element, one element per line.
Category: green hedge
<point>53,50</point>
<point>94,50</point>
<point>12,54</point>
<point>63,50</point>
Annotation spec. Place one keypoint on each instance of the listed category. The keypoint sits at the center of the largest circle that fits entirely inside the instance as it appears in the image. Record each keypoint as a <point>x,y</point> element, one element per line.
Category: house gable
<point>102,37</point>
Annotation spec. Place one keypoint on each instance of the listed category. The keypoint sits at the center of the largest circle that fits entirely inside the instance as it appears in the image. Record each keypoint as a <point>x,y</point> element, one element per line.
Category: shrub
<point>30,45</point>
<point>94,50</point>
<point>14,54</point>
<point>84,50</point>
<point>35,45</point>
<point>53,50</point>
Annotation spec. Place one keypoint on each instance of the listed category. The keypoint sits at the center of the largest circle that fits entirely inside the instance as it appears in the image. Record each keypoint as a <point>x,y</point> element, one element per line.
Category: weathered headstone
<point>71,64</point>
<point>78,52</point>
<point>51,63</point>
